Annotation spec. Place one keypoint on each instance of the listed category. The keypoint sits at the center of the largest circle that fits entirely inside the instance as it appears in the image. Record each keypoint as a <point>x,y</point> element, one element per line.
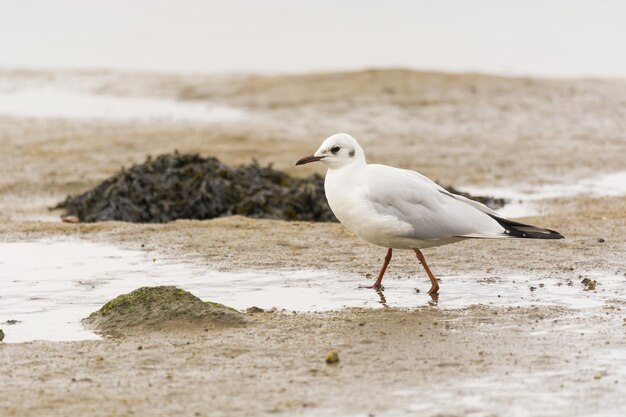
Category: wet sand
<point>460,129</point>
<point>392,362</point>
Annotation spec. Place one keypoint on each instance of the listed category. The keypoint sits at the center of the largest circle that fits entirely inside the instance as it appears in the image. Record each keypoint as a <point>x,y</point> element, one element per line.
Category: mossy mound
<point>160,308</point>
<point>175,186</point>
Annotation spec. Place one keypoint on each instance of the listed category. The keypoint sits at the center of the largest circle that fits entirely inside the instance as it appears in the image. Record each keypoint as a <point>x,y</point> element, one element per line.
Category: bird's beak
<point>308,159</point>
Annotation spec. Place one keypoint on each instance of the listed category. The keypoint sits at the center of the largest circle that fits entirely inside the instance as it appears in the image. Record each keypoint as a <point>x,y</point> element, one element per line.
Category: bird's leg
<point>379,279</point>
<point>434,288</point>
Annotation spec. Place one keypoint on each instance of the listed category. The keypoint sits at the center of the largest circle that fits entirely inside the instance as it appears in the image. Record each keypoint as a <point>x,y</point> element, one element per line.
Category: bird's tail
<point>525,231</point>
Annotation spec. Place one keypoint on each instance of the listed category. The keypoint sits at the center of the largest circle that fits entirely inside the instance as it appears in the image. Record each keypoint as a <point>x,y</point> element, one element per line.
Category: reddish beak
<point>307,159</point>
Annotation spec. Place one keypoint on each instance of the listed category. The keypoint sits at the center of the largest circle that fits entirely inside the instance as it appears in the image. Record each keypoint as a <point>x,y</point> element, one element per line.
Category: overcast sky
<point>534,37</point>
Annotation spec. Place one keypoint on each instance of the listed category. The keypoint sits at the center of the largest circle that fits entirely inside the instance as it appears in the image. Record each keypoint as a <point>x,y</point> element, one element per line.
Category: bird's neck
<point>346,172</point>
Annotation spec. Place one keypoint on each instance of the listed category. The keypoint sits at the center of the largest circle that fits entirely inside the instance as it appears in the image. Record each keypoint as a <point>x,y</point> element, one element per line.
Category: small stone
<point>99,358</point>
<point>597,375</point>
<point>332,357</point>
<point>591,285</point>
<point>533,288</point>
<point>70,219</point>
<point>601,240</point>
<point>254,310</point>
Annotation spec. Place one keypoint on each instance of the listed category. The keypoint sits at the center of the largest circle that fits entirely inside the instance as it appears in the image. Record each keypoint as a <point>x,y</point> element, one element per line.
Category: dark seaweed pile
<point>176,186</point>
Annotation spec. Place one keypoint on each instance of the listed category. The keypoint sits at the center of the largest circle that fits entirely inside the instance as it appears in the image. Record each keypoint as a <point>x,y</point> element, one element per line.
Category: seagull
<point>402,209</point>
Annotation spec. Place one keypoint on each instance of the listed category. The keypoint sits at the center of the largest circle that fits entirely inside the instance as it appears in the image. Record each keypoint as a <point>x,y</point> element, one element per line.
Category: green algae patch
<point>160,308</point>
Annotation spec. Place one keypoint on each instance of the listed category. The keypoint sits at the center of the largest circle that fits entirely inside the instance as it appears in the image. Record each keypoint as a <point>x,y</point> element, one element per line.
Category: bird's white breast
<point>346,192</point>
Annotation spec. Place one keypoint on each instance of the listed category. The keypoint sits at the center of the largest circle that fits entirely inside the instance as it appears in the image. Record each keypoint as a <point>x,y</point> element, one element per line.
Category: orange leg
<point>434,284</point>
<point>379,279</point>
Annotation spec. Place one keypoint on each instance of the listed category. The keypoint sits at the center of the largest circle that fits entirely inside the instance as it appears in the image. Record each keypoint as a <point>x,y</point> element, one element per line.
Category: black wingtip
<point>526,231</point>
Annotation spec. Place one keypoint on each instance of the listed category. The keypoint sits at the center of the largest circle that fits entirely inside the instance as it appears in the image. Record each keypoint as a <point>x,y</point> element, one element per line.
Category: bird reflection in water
<point>434,298</point>
<point>381,294</point>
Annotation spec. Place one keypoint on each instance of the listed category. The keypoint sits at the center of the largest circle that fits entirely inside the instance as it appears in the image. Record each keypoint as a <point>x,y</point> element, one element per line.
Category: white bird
<point>402,209</point>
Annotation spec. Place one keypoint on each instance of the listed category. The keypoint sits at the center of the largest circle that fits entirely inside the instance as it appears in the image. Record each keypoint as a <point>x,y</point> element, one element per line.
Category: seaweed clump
<point>160,308</point>
<point>176,186</point>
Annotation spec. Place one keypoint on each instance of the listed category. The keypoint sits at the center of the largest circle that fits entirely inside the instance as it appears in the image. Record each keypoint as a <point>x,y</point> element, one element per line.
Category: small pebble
<point>70,219</point>
<point>601,240</point>
<point>332,357</point>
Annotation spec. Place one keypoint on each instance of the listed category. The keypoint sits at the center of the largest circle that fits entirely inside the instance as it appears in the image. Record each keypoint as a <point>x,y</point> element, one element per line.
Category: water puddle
<point>524,201</point>
<point>48,286</point>
<point>51,103</point>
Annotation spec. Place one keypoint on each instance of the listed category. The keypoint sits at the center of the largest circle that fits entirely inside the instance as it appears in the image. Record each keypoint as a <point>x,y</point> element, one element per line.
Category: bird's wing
<point>433,212</point>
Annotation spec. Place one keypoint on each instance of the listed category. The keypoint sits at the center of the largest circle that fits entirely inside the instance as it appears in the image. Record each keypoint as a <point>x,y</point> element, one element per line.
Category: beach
<point>487,353</point>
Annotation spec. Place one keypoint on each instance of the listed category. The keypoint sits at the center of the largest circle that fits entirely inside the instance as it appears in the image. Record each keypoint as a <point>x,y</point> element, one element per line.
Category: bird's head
<point>337,151</point>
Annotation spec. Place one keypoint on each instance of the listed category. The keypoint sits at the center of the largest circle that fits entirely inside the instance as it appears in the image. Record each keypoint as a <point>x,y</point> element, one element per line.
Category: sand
<point>459,129</point>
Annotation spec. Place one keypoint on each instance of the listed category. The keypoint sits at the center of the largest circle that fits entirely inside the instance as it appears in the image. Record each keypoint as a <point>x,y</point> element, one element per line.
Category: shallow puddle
<point>50,103</point>
<point>524,201</point>
<point>48,286</point>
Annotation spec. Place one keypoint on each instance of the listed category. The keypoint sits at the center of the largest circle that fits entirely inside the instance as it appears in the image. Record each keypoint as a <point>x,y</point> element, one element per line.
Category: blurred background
<point>555,38</point>
<point>514,95</point>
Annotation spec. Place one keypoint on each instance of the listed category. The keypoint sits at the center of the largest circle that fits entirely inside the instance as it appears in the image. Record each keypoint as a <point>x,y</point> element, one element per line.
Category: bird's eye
<point>335,149</point>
